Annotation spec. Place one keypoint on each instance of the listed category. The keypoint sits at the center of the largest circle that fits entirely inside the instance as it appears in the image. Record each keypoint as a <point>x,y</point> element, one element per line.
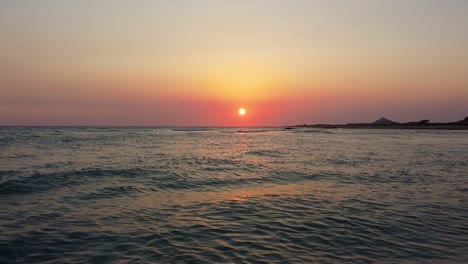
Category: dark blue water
<point>162,195</point>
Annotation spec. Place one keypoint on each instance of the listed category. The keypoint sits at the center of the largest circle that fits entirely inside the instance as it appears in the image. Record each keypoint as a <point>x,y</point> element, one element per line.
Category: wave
<point>253,131</point>
<point>312,131</point>
<point>111,192</point>
<point>40,182</point>
<point>152,180</point>
<point>265,153</point>
<point>191,129</point>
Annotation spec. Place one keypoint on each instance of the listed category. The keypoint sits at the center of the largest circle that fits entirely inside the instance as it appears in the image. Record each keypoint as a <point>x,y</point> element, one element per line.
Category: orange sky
<point>196,63</point>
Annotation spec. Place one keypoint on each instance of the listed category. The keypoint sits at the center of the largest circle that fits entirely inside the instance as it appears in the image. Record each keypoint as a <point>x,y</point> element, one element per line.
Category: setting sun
<point>242,111</point>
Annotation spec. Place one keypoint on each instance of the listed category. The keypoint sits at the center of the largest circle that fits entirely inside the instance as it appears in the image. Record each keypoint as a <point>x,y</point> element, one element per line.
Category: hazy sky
<point>182,62</point>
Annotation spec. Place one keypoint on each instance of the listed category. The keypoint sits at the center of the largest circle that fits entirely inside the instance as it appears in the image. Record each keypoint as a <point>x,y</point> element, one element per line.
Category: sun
<point>242,111</point>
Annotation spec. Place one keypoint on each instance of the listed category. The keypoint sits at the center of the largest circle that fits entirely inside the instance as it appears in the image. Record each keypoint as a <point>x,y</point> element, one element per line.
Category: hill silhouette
<point>384,121</point>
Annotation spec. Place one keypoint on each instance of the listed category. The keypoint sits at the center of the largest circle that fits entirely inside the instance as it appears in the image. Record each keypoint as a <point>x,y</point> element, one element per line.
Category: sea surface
<point>232,195</point>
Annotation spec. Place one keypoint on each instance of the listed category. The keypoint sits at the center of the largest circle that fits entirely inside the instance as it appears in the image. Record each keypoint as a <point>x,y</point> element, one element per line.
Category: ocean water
<point>232,195</point>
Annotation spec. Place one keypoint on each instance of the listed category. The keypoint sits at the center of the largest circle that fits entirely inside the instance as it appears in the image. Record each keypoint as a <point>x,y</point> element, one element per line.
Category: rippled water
<point>232,195</point>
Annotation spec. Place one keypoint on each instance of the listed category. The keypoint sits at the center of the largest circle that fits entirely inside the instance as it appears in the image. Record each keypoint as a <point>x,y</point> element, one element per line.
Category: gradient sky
<point>182,62</point>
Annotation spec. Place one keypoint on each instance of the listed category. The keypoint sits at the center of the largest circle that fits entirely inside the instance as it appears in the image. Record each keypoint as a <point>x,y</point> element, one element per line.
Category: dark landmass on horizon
<point>384,123</point>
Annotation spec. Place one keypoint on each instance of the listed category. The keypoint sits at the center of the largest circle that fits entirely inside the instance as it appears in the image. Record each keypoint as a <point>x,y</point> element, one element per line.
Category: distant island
<point>384,123</point>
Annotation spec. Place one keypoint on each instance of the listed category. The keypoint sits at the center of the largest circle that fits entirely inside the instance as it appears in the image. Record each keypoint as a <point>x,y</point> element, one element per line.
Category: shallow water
<point>189,195</point>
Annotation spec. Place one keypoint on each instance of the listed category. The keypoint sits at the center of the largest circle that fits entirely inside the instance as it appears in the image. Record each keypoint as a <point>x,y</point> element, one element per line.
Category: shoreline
<point>399,126</point>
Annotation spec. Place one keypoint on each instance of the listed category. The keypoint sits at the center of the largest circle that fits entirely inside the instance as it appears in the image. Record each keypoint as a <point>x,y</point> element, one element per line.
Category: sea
<point>232,195</point>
